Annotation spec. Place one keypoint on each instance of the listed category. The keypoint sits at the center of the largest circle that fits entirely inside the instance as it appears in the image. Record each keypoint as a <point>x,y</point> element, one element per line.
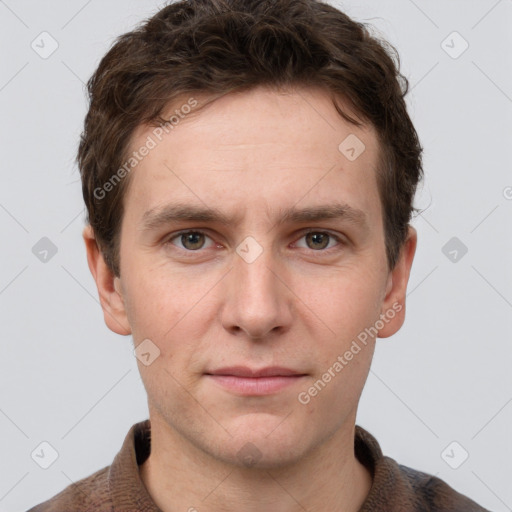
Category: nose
<point>257,300</point>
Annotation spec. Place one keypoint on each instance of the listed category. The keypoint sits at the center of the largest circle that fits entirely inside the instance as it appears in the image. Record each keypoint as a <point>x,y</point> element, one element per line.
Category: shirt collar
<point>129,493</point>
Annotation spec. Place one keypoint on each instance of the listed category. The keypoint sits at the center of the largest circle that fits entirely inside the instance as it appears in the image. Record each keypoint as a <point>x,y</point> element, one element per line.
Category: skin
<point>297,305</point>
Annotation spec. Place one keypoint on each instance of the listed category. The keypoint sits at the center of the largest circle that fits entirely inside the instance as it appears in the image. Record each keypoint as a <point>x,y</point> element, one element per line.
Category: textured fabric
<point>119,488</point>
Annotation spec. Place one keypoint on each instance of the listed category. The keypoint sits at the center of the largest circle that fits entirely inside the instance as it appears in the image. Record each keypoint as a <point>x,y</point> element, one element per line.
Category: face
<point>250,240</point>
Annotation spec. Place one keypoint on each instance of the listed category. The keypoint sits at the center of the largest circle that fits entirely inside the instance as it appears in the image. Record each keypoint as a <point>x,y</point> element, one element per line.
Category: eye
<point>320,240</point>
<point>194,240</point>
<point>189,240</point>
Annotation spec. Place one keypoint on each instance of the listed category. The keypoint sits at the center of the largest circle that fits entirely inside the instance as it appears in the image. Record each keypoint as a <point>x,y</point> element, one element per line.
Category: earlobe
<point>108,285</point>
<point>393,306</point>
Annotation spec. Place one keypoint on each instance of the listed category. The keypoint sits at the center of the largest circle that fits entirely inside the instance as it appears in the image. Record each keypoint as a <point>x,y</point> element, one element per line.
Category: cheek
<point>345,303</point>
<point>174,311</point>
<point>343,352</point>
<point>344,387</point>
<point>158,297</point>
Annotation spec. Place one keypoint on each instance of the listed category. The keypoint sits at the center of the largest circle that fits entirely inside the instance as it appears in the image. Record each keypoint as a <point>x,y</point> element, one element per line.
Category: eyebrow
<point>160,216</point>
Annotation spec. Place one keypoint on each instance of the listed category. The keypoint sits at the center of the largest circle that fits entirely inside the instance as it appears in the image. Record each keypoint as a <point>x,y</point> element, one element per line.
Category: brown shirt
<point>119,488</point>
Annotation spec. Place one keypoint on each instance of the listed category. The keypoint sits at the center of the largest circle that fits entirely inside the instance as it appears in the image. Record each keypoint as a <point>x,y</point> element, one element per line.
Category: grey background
<point>66,379</point>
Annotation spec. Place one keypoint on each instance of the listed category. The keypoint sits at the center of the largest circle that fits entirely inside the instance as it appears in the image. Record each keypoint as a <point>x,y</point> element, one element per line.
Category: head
<point>277,134</point>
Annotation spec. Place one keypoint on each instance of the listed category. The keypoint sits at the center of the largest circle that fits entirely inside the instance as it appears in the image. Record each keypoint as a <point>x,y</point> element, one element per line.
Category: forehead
<point>259,149</point>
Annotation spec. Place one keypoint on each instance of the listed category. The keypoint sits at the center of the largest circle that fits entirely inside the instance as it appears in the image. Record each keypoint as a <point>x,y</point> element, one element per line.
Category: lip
<point>246,381</point>
<point>245,371</point>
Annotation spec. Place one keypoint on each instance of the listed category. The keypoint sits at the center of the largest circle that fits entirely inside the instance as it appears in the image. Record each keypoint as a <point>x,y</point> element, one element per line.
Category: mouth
<point>245,381</point>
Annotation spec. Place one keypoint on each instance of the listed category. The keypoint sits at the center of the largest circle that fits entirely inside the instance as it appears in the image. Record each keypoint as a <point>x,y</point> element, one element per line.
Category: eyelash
<point>338,239</point>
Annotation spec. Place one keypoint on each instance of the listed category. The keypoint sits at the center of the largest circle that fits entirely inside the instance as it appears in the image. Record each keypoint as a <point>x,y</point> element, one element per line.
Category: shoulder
<point>111,487</point>
<point>402,489</point>
<point>432,493</point>
<point>90,493</point>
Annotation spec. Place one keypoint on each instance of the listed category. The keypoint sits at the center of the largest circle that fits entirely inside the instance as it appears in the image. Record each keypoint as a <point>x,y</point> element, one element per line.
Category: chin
<point>264,441</point>
<point>265,455</point>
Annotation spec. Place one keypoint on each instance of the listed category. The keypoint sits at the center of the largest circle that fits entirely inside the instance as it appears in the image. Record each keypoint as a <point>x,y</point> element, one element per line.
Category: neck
<point>179,476</point>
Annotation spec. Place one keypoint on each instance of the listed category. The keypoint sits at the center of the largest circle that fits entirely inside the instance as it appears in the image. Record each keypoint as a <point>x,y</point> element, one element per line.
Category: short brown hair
<point>223,46</point>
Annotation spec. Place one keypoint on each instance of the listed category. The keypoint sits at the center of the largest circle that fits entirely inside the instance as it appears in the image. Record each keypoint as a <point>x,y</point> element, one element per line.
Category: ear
<point>108,285</point>
<point>393,307</point>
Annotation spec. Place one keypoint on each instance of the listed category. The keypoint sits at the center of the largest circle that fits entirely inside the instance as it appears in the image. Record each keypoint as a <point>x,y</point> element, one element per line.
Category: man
<point>249,169</point>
